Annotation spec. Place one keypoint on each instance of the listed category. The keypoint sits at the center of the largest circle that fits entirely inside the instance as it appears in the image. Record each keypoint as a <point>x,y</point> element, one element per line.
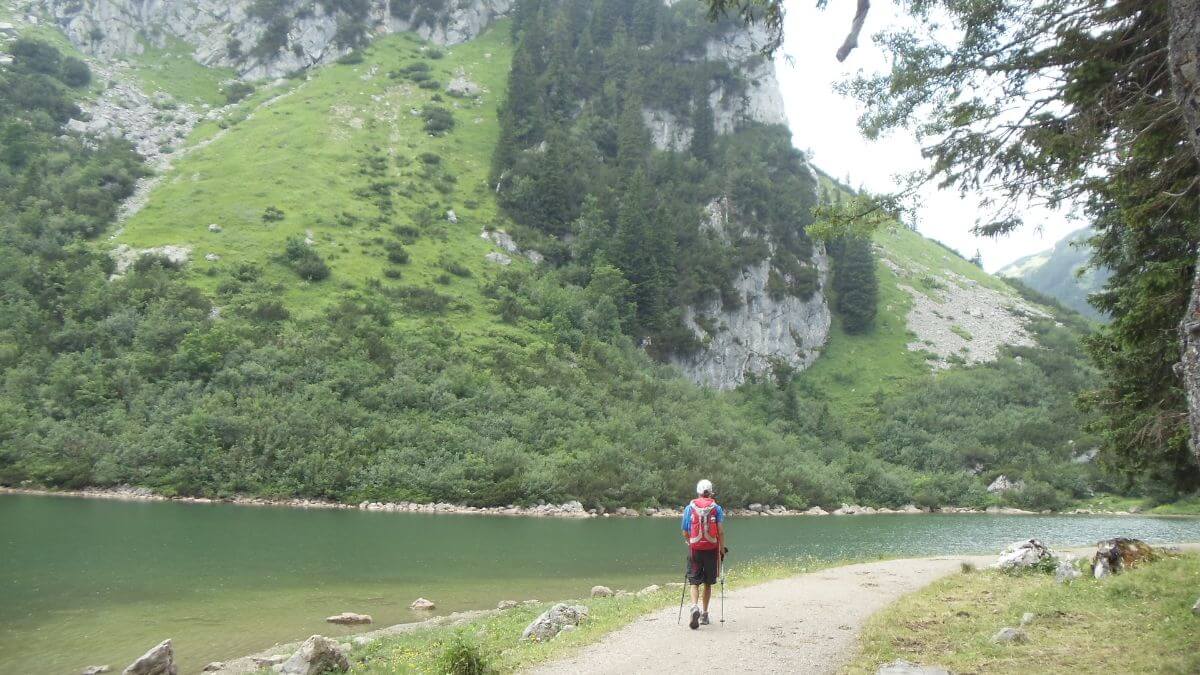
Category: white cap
<point>704,486</point>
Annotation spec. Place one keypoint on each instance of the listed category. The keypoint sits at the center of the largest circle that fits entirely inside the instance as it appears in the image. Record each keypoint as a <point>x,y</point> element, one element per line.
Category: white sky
<point>825,123</point>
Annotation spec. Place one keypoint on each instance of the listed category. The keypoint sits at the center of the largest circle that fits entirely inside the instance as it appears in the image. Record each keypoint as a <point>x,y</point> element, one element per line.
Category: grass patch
<point>172,69</point>
<point>1189,506</point>
<point>496,638</point>
<point>1141,620</point>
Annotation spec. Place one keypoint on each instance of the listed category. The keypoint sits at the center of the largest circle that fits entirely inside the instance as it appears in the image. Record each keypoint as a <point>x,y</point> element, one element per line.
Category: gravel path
<point>804,624</point>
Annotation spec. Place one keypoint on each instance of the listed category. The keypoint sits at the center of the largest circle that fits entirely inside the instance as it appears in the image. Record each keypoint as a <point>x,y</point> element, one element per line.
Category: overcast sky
<point>825,123</point>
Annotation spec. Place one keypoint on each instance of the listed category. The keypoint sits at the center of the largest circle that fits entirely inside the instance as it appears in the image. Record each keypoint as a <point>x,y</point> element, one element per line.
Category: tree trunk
<point>1183,54</point>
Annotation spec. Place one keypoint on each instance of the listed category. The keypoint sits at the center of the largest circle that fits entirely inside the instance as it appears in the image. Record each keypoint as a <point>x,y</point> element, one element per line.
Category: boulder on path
<point>317,655</point>
<point>1023,555</point>
<point>422,603</point>
<point>160,660</point>
<point>94,670</point>
<point>902,667</point>
<point>1115,555</point>
<point>1009,635</point>
<point>551,621</point>
<point>349,618</point>
<point>601,592</point>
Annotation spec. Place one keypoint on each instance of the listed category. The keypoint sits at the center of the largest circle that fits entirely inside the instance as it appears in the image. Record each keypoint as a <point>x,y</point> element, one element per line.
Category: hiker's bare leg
<point>695,595</point>
<point>707,595</point>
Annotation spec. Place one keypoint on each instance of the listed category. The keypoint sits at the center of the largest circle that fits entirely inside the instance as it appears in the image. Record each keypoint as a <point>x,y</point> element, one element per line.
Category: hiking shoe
<point>695,622</point>
<point>704,619</point>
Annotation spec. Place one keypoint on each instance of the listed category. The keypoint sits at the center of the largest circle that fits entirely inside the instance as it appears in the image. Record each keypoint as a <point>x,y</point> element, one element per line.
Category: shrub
<point>462,656</point>
<point>430,158</point>
<point>75,73</point>
<point>407,233</point>
<point>236,91</point>
<point>438,120</point>
<point>312,268</point>
<point>36,56</point>
<point>396,253</point>
<point>272,214</point>
<point>351,58</point>
<point>434,53</point>
<point>429,84</point>
<point>443,279</point>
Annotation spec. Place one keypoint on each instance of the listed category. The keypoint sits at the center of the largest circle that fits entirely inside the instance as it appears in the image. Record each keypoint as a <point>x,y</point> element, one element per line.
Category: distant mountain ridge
<point>1057,272</point>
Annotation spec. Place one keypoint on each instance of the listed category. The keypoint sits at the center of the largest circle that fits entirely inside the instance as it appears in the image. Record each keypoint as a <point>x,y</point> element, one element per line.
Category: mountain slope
<point>340,334</point>
<point>1062,272</point>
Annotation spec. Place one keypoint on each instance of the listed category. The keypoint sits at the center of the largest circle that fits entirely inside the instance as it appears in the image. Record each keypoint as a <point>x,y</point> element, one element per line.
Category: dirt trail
<point>803,624</point>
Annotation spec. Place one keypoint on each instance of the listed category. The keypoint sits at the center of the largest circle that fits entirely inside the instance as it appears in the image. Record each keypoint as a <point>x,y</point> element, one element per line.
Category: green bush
<point>75,73</point>
<point>438,120</point>
<point>236,91</point>
<point>462,656</point>
<point>272,214</point>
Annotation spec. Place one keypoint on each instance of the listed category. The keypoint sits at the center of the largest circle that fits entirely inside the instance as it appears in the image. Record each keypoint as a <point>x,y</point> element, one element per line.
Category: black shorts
<point>702,567</point>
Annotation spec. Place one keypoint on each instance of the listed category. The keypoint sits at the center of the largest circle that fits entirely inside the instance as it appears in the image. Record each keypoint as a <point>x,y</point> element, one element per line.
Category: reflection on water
<point>96,581</point>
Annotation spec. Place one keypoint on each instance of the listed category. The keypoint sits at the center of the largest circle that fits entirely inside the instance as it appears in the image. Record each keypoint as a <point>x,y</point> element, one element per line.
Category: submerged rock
<point>160,660</point>
<point>317,655</point>
<point>552,621</point>
<point>348,618</point>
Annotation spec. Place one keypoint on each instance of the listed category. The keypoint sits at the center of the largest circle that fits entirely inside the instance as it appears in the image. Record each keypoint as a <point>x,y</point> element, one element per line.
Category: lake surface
<point>87,581</point>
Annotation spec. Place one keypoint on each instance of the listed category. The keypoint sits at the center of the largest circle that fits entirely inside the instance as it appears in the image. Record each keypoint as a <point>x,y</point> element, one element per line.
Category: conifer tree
<point>703,131</point>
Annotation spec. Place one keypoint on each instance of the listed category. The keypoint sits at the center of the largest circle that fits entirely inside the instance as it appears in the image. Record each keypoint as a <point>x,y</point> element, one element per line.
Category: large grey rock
<point>1196,607</point>
<point>94,670</point>
<point>1010,635</point>
<point>160,660</point>
<point>317,655</point>
<point>422,603</point>
<point>1023,555</point>
<point>1003,484</point>
<point>902,667</point>
<point>550,622</point>
<point>601,591</point>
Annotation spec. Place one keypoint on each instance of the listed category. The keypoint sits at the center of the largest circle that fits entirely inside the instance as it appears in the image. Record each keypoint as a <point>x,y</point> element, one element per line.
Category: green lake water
<point>87,582</point>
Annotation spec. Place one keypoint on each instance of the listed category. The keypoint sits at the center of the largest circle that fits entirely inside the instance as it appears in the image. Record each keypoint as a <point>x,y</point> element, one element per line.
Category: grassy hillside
<point>315,150</point>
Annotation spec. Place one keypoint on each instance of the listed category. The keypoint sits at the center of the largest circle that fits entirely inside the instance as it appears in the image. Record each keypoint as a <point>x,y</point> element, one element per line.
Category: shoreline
<point>570,509</point>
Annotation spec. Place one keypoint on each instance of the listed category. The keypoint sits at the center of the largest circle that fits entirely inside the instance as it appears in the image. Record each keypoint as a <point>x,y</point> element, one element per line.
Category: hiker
<point>704,532</point>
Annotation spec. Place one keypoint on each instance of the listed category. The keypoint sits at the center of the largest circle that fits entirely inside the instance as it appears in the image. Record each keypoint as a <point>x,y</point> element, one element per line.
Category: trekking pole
<point>682,591</point>
<point>723,552</point>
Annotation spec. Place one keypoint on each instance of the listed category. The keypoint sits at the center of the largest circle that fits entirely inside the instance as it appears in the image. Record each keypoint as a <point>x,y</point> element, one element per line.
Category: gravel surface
<point>804,624</point>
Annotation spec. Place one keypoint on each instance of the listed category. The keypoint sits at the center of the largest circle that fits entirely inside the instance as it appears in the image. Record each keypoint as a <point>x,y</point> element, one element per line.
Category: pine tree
<point>633,140</point>
<point>855,284</point>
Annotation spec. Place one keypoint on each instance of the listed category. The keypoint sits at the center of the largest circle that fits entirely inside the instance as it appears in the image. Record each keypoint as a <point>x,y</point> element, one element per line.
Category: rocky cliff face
<point>759,101</point>
<point>223,33</point>
<point>761,330</point>
<point>750,338</point>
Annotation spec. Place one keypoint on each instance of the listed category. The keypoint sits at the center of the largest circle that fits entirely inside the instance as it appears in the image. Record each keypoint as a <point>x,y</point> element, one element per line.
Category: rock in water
<point>348,618</point>
<point>902,667</point>
<point>94,670</point>
<point>552,621</point>
<point>1010,636</point>
<point>601,591</point>
<point>1023,554</point>
<point>158,661</point>
<point>317,655</point>
<point>422,603</point>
